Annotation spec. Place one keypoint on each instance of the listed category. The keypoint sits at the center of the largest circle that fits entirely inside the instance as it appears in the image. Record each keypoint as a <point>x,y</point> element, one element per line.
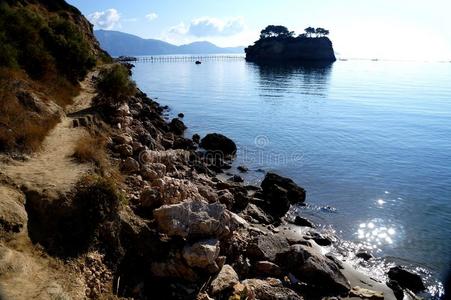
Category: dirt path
<point>52,167</point>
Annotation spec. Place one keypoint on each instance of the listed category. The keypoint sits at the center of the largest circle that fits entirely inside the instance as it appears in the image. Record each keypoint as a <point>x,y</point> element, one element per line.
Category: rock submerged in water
<point>218,142</point>
<point>406,279</point>
<point>279,193</point>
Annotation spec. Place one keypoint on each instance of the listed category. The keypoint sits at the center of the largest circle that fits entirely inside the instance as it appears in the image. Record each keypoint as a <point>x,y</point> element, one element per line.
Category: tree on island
<point>309,31</point>
<point>276,31</point>
<point>321,32</point>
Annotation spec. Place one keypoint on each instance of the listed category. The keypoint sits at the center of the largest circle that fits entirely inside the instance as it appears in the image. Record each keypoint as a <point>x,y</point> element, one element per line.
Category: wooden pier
<point>187,58</point>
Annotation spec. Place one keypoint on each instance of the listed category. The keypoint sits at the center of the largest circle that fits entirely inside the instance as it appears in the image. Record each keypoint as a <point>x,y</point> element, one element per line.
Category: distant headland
<point>278,44</point>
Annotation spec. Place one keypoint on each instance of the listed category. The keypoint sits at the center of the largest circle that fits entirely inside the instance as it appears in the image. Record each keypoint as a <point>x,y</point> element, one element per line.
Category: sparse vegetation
<point>42,45</point>
<point>92,149</point>
<point>114,86</point>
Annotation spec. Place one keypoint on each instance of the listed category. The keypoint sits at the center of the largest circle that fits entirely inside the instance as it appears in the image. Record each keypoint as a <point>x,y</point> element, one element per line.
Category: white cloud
<point>107,19</point>
<point>151,16</point>
<point>208,27</point>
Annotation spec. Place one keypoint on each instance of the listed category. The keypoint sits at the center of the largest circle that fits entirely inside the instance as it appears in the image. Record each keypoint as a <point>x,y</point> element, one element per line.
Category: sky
<point>384,29</point>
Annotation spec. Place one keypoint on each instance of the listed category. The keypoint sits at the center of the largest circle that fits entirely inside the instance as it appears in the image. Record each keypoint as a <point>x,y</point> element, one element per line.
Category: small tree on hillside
<point>276,31</point>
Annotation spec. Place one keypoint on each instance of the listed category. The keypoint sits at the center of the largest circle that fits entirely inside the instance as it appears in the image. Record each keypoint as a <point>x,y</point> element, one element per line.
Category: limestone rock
<point>366,294</point>
<point>193,218</point>
<point>202,254</point>
<point>269,290</point>
<point>226,279</point>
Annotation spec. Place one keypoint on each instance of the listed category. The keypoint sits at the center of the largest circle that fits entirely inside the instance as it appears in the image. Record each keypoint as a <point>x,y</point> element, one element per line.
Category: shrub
<point>92,149</point>
<point>114,86</point>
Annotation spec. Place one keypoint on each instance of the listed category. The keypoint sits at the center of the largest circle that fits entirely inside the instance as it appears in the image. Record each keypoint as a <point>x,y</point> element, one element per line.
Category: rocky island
<point>278,44</point>
<point>102,197</point>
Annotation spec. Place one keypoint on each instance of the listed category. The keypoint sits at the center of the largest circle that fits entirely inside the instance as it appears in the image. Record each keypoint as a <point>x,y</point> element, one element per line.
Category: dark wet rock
<point>406,279</point>
<point>242,169</point>
<point>225,280</point>
<point>236,178</point>
<point>314,269</point>
<point>267,247</point>
<point>300,221</point>
<point>196,138</point>
<point>193,218</point>
<point>183,143</point>
<point>294,193</point>
<point>218,142</point>
<point>269,289</point>
<point>365,255</point>
<point>177,126</point>
<point>181,115</point>
<point>396,288</point>
<point>279,193</point>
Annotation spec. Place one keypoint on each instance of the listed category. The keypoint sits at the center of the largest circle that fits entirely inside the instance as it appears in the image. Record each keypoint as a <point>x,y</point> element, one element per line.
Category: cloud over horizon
<point>107,19</point>
<point>210,27</point>
<point>151,16</point>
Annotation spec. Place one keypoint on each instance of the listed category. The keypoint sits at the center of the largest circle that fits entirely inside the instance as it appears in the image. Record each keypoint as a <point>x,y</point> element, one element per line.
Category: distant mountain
<point>118,43</point>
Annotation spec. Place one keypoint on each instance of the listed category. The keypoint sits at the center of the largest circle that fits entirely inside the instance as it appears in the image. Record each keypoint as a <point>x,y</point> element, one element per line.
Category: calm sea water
<point>369,141</point>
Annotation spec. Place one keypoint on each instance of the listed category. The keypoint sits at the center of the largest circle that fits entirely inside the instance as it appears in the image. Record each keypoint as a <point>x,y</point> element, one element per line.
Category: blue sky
<point>397,29</point>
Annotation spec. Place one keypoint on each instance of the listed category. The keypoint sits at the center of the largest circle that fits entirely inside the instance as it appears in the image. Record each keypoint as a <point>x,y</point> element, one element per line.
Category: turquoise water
<point>370,140</point>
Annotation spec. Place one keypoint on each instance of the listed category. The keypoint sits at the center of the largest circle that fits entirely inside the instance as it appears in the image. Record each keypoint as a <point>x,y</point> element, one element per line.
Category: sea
<point>369,140</point>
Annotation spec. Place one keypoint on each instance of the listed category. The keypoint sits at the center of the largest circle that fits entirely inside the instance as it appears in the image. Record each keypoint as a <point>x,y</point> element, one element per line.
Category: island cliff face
<point>300,49</point>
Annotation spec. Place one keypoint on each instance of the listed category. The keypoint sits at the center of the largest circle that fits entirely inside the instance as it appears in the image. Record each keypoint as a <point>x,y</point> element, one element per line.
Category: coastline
<point>352,274</point>
<point>178,228</point>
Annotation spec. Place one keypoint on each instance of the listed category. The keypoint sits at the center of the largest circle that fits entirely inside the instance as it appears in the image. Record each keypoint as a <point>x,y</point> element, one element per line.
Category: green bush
<point>114,86</point>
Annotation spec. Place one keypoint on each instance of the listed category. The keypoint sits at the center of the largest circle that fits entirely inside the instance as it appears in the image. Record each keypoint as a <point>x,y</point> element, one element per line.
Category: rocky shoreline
<point>161,220</point>
<point>191,234</point>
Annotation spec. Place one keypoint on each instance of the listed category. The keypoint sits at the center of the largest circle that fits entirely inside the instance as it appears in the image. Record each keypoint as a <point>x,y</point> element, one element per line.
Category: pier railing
<point>188,58</point>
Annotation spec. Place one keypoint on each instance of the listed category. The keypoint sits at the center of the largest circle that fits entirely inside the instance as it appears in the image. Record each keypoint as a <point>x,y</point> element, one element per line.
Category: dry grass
<point>92,149</point>
<point>21,128</point>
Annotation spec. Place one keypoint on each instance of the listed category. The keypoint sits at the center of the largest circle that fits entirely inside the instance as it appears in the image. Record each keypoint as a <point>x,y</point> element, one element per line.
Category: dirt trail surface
<point>52,167</point>
<point>26,272</point>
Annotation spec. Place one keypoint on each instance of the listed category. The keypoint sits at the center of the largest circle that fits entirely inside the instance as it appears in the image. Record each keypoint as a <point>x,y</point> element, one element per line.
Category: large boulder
<point>269,289</point>
<point>279,193</point>
<point>406,279</point>
<point>218,142</point>
<point>267,247</point>
<point>225,280</point>
<point>193,218</point>
<point>311,267</point>
<point>177,126</point>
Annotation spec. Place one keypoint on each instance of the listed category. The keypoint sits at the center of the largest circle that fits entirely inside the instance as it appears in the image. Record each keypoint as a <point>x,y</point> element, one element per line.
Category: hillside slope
<point>46,48</point>
<point>118,43</point>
